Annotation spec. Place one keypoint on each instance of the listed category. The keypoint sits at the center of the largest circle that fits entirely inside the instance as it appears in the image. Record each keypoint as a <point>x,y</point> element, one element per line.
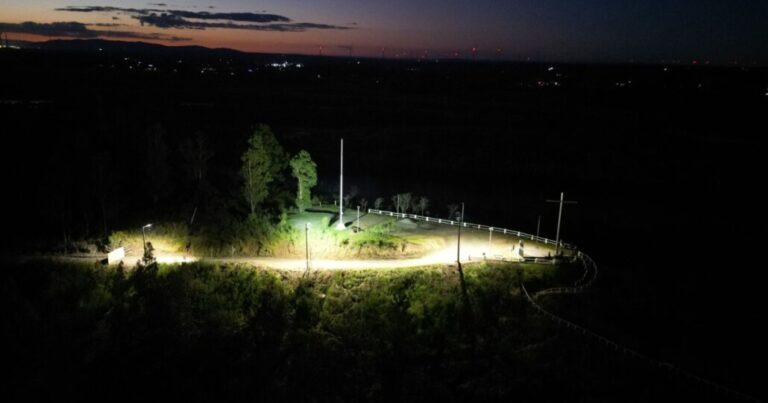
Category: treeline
<point>212,192</point>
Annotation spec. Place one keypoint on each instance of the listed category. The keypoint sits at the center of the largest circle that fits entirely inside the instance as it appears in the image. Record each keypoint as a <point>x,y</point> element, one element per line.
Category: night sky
<point>720,32</point>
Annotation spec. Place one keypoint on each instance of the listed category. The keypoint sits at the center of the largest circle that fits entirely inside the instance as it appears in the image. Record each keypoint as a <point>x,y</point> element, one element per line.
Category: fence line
<point>498,230</point>
<point>581,285</point>
<point>619,348</point>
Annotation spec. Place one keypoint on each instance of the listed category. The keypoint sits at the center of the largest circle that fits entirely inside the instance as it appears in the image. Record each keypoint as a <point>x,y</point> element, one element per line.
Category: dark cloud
<point>240,17</point>
<point>105,24</point>
<point>74,29</point>
<point>311,25</point>
<point>105,9</point>
<point>174,21</point>
<point>293,27</point>
<point>197,15</point>
<point>182,19</point>
<point>166,21</point>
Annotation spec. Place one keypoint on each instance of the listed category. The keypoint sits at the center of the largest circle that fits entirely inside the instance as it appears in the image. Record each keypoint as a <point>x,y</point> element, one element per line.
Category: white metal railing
<point>620,348</point>
<point>581,285</point>
<point>498,230</point>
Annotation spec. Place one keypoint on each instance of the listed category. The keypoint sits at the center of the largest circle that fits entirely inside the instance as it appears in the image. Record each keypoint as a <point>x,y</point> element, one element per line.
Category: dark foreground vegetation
<point>208,332</point>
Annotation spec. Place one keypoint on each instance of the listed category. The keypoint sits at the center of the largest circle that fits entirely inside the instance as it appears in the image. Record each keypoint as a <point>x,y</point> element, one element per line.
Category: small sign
<point>116,255</point>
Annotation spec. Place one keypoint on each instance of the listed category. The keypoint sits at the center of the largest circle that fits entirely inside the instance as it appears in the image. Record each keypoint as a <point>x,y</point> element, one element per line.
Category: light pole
<point>538,226</point>
<point>458,241</point>
<point>358,218</point>
<point>144,237</point>
<point>490,239</point>
<point>306,242</point>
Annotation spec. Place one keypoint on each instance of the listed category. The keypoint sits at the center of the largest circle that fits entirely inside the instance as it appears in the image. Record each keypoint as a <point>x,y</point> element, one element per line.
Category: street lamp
<point>144,237</point>
<point>490,239</point>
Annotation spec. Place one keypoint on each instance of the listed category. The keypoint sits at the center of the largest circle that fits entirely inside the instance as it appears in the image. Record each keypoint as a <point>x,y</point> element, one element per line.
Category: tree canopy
<point>257,170</point>
<point>305,171</point>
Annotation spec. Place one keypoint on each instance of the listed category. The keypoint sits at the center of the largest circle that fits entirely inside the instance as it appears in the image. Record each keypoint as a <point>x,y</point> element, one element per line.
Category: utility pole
<point>306,242</point>
<point>465,296</point>
<point>340,224</point>
<point>559,218</point>
<point>458,242</point>
<point>538,225</point>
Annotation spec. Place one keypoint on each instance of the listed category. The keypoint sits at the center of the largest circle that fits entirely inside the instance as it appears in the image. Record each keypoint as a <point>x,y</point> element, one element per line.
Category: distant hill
<point>95,45</point>
<point>152,49</point>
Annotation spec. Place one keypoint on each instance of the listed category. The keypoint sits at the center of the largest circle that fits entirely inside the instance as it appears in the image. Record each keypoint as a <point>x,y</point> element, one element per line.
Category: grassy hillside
<point>237,332</point>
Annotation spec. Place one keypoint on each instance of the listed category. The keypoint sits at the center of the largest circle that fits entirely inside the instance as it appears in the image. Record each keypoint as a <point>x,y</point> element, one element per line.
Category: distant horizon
<point>685,63</point>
